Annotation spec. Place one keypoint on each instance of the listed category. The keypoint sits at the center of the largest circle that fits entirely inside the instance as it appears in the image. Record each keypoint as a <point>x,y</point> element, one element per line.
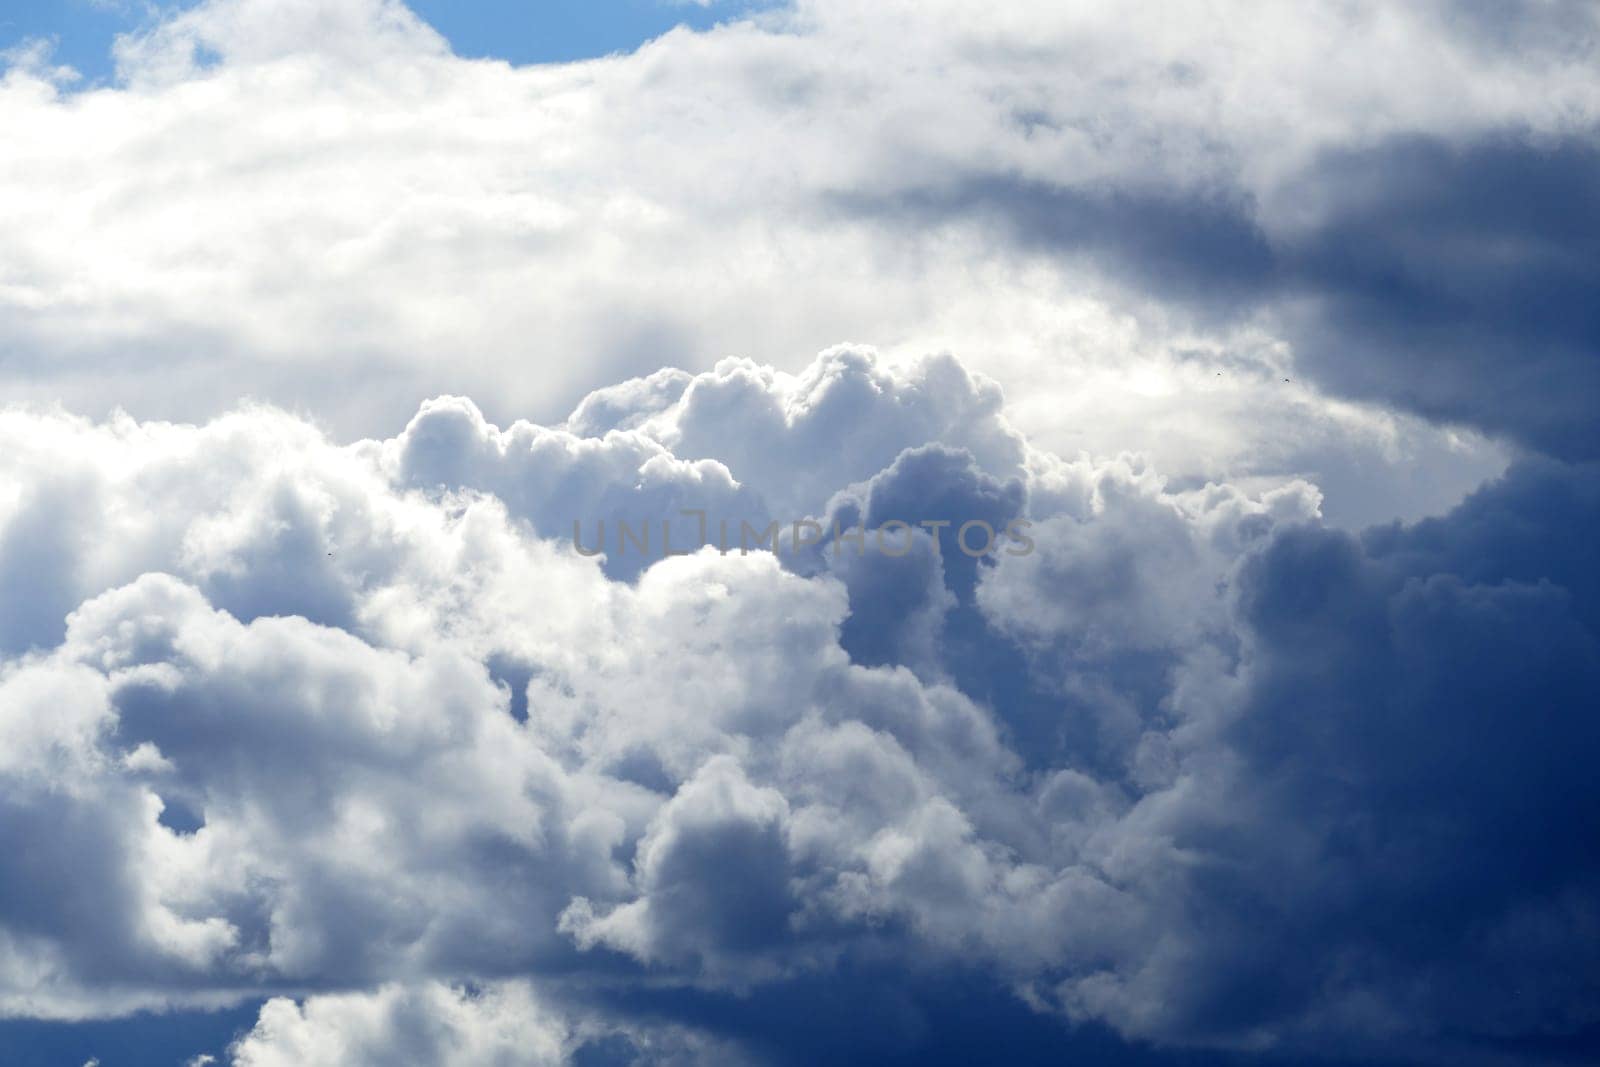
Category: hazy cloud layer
<point>1140,222</point>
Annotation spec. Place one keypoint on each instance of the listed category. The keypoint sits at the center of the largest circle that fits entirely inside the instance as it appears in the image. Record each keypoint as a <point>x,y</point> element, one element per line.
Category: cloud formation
<point>319,205</point>
<point>357,727</point>
<point>319,705</point>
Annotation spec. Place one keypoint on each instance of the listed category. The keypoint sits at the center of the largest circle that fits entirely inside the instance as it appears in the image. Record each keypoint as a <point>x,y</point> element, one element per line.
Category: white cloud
<point>339,215</point>
<point>428,1024</point>
<point>275,634</point>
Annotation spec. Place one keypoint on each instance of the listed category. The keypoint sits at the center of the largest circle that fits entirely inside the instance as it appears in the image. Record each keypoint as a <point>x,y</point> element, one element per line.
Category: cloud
<point>312,702</point>
<point>617,460</point>
<point>348,726</point>
<point>427,1024</point>
<point>503,1022</point>
<point>319,206</point>
<point>1453,277</point>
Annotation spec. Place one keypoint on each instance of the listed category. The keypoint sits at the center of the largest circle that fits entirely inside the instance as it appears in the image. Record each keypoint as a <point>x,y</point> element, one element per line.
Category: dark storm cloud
<point>1459,279</point>
<point>1420,736</point>
<point>1203,249</point>
<point>1534,27</point>
<point>863,1013</point>
<point>1407,834</point>
<point>1462,282</point>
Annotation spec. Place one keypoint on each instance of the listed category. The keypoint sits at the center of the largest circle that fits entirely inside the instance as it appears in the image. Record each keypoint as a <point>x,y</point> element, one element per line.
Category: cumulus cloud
<point>427,1024</point>
<point>498,1023</point>
<point>358,729</point>
<point>325,702</point>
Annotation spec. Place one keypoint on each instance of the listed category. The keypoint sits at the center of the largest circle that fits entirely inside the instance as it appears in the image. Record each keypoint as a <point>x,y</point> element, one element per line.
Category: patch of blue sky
<point>81,33</point>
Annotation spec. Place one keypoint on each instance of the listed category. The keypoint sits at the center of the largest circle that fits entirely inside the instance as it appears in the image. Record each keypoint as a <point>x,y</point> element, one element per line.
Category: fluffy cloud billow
<point>487,565</point>
<point>357,729</point>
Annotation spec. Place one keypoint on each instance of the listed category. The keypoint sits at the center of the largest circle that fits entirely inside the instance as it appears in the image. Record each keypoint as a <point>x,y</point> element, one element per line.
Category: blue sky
<point>533,31</point>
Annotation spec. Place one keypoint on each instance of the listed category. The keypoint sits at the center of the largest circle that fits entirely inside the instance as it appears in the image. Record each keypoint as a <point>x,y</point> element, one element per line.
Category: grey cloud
<point>1196,771</point>
<point>1202,249</point>
<point>1456,280</point>
<point>1451,277</point>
